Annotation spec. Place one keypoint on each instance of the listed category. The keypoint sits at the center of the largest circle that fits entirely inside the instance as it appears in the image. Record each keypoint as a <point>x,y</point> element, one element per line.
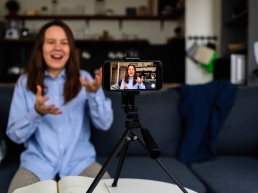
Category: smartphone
<point>140,75</point>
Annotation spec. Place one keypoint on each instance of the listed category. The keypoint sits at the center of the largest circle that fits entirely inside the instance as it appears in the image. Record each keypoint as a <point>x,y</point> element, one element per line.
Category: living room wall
<point>149,30</point>
<point>202,18</point>
<point>156,33</point>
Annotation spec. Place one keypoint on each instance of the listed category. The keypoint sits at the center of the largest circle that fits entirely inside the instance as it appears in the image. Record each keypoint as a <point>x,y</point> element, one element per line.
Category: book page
<point>79,184</point>
<point>46,186</point>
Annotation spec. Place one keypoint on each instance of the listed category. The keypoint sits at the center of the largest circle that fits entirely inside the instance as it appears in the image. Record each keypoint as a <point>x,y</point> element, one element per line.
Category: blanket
<point>203,109</point>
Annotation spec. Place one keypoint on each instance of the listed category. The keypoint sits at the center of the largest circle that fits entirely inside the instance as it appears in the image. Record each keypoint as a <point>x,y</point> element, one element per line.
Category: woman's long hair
<point>36,65</point>
<point>134,76</point>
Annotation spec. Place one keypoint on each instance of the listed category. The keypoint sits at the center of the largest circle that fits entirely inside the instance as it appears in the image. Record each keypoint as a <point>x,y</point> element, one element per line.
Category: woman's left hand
<point>139,81</point>
<point>95,84</point>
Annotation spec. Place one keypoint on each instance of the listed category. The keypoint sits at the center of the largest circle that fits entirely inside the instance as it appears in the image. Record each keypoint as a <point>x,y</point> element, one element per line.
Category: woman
<point>131,81</point>
<point>51,110</point>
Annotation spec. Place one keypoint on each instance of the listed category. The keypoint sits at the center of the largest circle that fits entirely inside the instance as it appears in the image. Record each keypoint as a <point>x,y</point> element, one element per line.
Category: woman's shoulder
<point>22,80</point>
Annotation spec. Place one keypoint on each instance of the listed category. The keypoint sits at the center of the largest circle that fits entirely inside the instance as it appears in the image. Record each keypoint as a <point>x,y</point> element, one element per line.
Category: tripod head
<point>129,56</point>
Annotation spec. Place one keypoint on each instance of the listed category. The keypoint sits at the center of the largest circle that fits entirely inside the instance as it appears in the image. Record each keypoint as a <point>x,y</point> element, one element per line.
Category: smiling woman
<point>131,80</point>
<point>53,104</point>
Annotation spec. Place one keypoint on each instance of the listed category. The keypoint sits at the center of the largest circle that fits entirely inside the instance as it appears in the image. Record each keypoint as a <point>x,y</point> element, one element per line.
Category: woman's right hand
<point>40,106</point>
<point>139,81</point>
<point>125,86</point>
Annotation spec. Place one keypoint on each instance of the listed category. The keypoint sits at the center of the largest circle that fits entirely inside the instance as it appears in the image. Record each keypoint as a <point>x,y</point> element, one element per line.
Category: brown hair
<point>134,76</point>
<point>36,65</point>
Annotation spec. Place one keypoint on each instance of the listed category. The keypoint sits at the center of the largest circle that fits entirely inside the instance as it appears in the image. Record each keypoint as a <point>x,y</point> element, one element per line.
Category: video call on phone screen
<point>146,71</point>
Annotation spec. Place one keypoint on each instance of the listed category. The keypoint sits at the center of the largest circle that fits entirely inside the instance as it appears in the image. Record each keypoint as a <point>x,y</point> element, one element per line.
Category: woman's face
<point>56,50</point>
<point>131,71</point>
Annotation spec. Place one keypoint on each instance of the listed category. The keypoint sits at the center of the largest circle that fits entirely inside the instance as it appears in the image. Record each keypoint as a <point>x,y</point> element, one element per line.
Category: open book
<point>69,184</point>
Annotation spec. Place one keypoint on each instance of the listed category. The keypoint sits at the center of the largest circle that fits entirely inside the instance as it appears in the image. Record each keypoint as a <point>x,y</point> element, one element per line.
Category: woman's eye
<point>64,43</point>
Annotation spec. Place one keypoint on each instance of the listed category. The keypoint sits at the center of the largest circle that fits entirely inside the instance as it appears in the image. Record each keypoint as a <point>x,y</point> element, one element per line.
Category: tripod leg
<point>108,162</point>
<point>120,163</point>
<point>162,165</point>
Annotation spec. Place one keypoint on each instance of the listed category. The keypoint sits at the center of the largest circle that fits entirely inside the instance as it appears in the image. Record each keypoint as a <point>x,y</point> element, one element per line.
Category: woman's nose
<point>57,46</point>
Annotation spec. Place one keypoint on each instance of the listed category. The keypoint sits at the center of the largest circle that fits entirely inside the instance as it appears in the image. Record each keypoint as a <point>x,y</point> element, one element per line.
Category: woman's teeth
<point>57,56</point>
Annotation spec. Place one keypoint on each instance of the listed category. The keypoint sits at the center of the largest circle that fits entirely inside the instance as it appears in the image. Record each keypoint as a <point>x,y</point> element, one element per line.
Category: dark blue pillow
<point>204,109</point>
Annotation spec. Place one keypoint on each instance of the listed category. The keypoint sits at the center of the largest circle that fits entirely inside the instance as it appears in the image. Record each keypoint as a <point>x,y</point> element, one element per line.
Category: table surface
<point>128,185</point>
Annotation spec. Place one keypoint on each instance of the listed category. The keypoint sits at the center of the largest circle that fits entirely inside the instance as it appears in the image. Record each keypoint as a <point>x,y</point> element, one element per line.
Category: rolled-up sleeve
<point>100,109</point>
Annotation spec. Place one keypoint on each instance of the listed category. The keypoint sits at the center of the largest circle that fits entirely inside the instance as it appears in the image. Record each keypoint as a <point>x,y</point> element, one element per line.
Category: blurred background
<point>197,40</point>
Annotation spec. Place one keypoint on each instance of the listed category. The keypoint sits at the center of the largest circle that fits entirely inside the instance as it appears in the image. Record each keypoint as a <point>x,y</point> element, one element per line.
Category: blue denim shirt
<point>130,84</point>
<point>57,143</point>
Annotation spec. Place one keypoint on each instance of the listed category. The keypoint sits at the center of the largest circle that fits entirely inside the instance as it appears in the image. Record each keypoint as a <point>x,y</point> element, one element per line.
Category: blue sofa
<point>234,170</point>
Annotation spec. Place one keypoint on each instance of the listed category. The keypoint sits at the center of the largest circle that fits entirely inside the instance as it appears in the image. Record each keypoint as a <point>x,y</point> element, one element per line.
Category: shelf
<point>140,41</point>
<point>119,18</point>
<point>240,51</point>
<point>90,17</point>
<point>241,20</point>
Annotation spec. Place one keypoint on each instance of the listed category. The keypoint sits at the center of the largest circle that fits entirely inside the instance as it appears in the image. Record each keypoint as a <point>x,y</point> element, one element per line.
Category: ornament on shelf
<point>54,7</point>
<point>13,7</point>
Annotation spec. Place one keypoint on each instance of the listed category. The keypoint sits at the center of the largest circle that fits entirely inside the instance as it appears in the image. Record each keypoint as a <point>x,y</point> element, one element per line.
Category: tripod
<point>133,121</point>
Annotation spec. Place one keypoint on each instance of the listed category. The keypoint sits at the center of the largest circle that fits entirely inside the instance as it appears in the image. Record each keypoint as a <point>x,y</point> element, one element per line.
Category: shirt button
<point>56,97</point>
<point>61,146</point>
<point>59,129</point>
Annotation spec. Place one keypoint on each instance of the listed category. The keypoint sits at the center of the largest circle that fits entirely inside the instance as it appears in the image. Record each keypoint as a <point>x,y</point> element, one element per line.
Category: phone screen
<point>131,76</point>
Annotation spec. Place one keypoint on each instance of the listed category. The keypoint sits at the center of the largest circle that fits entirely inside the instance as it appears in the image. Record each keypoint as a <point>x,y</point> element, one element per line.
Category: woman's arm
<point>100,110</point>
<point>23,120</point>
<point>140,83</point>
<point>98,106</point>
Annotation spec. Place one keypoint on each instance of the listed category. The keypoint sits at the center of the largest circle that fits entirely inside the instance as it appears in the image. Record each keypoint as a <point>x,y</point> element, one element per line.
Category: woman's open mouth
<point>56,57</point>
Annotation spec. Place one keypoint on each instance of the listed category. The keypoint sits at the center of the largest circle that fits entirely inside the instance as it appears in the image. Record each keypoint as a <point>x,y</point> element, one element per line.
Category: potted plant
<point>13,6</point>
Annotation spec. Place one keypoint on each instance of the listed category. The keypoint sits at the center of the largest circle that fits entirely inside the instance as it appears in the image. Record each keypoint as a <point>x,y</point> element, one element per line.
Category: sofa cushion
<point>7,171</point>
<point>239,133</point>
<point>146,168</point>
<point>229,174</point>
<point>158,111</point>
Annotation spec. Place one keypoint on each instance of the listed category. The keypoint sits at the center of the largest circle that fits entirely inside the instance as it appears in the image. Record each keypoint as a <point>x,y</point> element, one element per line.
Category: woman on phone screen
<point>131,80</point>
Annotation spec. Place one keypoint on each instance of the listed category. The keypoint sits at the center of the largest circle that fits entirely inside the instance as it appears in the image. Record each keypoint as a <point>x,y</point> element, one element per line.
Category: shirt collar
<point>61,75</point>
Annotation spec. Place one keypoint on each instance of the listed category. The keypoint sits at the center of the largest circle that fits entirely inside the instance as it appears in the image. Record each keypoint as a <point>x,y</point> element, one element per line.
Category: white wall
<point>202,18</point>
<point>146,30</point>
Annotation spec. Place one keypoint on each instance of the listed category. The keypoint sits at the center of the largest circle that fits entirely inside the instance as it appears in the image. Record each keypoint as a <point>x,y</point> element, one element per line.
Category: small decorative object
<point>100,7</point>
<point>24,33</point>
<point>109,12</point>
<point>44,10</point>
<point>13,6</point>
<point>143,11</point>
<point>13,31</point>
<point>31,12</point>
<point>151,7</point>
<point>54,7</point>
<point>130,11</point>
